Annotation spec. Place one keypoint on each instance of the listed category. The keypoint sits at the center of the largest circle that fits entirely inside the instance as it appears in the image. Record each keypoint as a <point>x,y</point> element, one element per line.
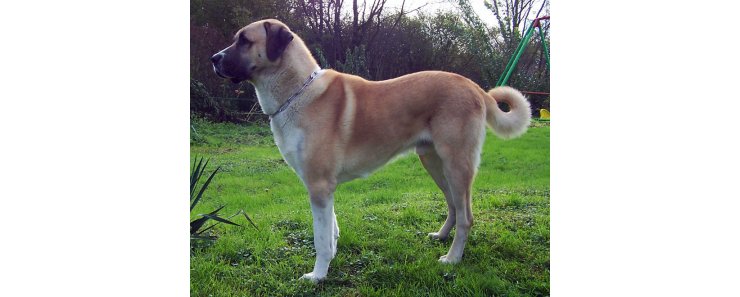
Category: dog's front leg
<point>322,208</point>
<point>335,238</point>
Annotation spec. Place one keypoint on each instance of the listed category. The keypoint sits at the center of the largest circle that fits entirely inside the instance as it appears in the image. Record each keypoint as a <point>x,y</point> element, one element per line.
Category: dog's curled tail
<point>509,124</point>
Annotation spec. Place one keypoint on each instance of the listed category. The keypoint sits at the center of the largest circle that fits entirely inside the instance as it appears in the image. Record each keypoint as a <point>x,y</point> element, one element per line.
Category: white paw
<point>314,278</point>
<point>448,260</point>
<point>435,235</point>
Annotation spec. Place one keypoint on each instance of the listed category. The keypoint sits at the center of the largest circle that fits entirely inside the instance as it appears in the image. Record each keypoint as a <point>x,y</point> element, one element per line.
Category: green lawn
<point>383,249</point>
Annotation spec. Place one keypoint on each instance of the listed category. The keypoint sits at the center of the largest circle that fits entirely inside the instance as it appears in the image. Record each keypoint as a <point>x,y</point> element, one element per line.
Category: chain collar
<point>285,105</point>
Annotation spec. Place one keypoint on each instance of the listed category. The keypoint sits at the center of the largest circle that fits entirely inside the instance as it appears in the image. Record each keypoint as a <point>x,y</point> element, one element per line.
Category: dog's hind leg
<point>433,164</point>
<point>459,174</point>
<point>460,155</point>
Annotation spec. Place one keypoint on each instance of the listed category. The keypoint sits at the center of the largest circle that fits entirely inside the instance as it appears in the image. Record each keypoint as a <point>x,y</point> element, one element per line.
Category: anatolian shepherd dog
<point>333,127</point>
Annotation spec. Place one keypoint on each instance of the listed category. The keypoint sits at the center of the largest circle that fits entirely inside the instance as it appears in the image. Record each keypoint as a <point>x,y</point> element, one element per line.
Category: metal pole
<point>501,80</point>
<point>519,52</point>
<point>544,46</point>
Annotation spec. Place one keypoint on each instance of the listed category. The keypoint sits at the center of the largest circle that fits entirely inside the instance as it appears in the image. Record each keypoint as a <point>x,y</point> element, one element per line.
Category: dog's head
<point>257,47</point>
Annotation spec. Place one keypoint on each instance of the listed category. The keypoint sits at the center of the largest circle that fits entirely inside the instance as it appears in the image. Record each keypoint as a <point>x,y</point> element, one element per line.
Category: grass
<point>383,249</point>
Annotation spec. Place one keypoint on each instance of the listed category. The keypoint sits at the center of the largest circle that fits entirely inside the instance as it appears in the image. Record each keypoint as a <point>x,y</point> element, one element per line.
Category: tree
<point>512,18</point>
<point>480,41</point>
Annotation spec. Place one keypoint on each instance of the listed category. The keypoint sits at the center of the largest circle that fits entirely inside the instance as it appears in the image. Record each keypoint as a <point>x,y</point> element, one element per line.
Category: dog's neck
<point>274,88</point>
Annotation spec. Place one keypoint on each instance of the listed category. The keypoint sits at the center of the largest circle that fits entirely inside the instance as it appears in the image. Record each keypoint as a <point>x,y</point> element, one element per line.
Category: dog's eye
<point>244,41</point>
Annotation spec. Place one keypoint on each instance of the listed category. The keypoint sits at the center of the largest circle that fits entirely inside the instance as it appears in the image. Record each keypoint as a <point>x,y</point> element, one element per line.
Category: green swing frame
<point>520,49</point>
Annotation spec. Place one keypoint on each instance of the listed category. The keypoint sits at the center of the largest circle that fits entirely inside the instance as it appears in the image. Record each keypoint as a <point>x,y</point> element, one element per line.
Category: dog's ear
<point>278,38</point>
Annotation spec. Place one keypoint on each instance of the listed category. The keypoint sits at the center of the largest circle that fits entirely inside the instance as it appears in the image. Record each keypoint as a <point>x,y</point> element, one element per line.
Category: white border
<point>94,122</point>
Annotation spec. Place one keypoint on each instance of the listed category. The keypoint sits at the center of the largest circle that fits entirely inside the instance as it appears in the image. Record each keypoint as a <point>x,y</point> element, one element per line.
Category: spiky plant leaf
<point>195,175</point>
<point>203,188</point>
<point>195,225</point>
<point>208,228</point>
<point>220,219</point>
<point>250,220</point>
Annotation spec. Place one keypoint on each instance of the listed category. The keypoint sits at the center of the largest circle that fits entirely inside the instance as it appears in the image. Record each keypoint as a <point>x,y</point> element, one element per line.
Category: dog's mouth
<point>215,69</point>
<point>234,80</point>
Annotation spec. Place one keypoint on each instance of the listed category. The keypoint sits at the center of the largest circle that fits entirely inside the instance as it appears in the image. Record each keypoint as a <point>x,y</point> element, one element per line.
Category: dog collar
<point>285,105</point>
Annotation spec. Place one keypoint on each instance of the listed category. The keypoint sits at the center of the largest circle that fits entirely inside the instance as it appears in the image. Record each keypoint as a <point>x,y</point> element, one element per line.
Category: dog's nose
<point>216,58</point>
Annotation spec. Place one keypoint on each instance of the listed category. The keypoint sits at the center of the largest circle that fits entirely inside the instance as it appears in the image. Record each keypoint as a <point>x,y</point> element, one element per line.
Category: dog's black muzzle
<point>222,69</point>
<point>216,61</point>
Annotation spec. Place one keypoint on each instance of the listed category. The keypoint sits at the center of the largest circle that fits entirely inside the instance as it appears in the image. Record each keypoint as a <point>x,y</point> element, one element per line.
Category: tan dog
<point>333,127</point>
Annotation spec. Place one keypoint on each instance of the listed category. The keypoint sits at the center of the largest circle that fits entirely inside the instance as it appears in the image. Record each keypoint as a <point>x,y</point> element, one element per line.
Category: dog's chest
<point>290,141</point>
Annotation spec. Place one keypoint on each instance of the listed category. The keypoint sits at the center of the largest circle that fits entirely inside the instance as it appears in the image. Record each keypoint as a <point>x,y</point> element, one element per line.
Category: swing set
<point>536,23</point>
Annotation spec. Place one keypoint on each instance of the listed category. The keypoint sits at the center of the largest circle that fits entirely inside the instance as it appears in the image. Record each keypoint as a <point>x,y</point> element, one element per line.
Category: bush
<point>202,104</point>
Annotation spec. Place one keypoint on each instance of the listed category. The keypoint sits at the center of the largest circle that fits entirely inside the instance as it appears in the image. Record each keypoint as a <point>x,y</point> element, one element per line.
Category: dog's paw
<point>312,277</point>
<point>435,235</point>
<point>449,260</point>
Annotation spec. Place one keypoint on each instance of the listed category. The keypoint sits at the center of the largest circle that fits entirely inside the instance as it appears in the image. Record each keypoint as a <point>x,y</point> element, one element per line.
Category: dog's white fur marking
<point>290,142</point>
<point>336,234</point>
<point>348,113</point>
<point>510,124</point>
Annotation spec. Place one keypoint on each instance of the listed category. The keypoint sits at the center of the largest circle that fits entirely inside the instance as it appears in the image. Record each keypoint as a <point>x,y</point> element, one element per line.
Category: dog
<point>332,127</point>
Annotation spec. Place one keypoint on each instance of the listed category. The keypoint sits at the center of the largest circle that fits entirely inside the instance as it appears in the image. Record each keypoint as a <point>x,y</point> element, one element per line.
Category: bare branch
<point>502,28</point>
<point>524,29</point>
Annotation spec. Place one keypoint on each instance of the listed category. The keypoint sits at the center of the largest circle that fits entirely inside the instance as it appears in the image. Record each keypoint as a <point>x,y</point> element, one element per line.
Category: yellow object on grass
<point>544,114</point>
